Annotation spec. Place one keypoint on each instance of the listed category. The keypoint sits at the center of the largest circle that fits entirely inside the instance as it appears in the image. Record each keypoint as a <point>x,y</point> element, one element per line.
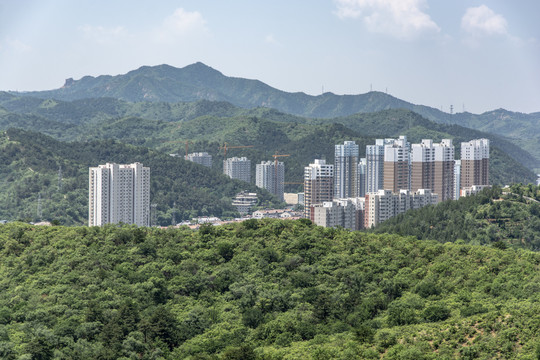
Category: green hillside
<point>207,125</point>
<point>29,164</point>
<point>198,81</point>
<point>261,290</point>
<point>507,217</point>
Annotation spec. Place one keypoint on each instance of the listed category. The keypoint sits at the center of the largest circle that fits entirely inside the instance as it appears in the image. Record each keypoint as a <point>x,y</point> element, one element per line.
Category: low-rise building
<point>472,190</point>
<point>347,213</point>
<point>385,204</point>
<point>244,201</point>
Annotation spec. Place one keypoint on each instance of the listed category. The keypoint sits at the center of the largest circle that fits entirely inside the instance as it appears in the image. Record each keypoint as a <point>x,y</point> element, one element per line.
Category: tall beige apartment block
<point>474,163</point>
<point>432,167</point>
<point>318,185</point>
<point>396,165</point>
<point>119,193</point>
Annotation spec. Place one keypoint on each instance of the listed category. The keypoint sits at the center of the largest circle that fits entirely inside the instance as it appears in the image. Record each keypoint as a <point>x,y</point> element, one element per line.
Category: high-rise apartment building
<point>422,165</point>
<point>238,168</point>
<point>432,167</point>
<point>457,179</point>
<point>346,170</point>
<point>119,193</point>
<point>318,185</point>
<point>375,165</point>
<point>202,158</point>
<point>396,165</point>
<point>270,175</point>
<point>361,178</point>
<point>444,170</point>
<point>474,163</point>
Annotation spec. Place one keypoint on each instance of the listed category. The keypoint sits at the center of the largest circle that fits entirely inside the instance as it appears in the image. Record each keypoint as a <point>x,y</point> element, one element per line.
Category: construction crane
<point>226,146</point>
<point>187,146</point>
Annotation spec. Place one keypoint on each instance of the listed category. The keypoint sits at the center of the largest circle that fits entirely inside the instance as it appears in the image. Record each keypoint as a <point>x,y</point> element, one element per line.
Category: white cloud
<point>270,39</point>
<point>15,45</point>
<point>481,20</point>
<point>403,19</point>
<point>103,35</point>
<point>180,24</point>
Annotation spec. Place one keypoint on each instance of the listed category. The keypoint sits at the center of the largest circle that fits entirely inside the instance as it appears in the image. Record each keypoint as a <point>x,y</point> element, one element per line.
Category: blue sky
<point>474,55</point>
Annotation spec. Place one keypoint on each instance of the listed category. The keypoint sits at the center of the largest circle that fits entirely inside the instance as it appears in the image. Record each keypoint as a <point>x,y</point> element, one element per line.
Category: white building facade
<point>346,170</point>
<point>238,168</point>
<point>270,175</point>
<point>119,193</point>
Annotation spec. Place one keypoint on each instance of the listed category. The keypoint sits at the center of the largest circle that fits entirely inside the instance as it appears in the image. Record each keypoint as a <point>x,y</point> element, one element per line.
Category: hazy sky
<point>477,55</point>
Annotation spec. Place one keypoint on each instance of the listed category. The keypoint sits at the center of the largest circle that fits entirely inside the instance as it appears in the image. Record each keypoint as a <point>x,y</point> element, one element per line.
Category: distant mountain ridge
<point>201,82</point>
<point>195,82</point>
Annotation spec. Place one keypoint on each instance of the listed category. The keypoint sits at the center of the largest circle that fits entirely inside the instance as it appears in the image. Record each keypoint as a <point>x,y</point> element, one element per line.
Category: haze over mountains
<point>198,81</point>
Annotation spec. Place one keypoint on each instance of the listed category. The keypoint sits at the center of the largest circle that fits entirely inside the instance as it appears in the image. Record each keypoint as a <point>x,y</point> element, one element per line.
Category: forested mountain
<point>206,125</point>
<point>505,217</point>
<point>260,290</point>
<point>198,81</point>
<point>30,164</point>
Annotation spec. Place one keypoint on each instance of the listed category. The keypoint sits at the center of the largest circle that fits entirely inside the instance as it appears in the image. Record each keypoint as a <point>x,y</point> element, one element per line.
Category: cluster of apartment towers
<point>354,192</point>
<point>394,177</point>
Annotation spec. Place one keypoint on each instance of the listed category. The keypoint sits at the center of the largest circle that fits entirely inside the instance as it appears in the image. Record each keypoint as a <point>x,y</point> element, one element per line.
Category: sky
<point>473,55</point>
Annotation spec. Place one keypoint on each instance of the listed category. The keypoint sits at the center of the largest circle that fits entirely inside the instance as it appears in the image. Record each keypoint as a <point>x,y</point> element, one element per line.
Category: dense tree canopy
<point>502,217</point>
<point>260,290</point>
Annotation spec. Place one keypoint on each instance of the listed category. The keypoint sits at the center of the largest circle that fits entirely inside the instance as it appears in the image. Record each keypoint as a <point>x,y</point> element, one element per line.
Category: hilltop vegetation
<point>504,217</point>
<point>260,290</point>
<point>29,163</point>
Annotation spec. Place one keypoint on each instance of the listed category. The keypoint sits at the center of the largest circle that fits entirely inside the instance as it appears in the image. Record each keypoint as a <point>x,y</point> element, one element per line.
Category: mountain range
<point>198,81</point>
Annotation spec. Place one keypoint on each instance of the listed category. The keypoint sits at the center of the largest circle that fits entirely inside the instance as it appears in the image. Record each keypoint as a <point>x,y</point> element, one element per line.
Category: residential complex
<point>202,158</point>
<point>237,168</point>
<point>318,185</point>
<point>270,175</point>
<point>346,170</point>
<point>119,193</point>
